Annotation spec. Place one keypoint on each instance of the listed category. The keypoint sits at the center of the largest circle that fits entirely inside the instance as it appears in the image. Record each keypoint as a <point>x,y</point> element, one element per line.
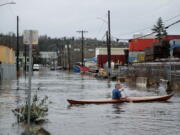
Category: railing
<point>175,72</point>
<point>159,71</point>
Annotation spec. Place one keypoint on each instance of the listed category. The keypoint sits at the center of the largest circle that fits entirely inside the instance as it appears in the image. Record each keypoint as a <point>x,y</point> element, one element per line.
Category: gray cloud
<point>59,18</point>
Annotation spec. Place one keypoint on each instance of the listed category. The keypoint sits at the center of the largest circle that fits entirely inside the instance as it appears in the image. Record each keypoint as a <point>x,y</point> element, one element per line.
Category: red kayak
<point>127,99</point>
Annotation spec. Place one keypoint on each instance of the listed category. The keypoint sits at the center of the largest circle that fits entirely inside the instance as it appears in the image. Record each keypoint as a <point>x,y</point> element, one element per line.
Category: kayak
<point>127,99</point>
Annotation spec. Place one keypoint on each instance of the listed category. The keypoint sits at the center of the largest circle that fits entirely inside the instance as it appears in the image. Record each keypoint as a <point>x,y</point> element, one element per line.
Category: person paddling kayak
<point>116,93</point>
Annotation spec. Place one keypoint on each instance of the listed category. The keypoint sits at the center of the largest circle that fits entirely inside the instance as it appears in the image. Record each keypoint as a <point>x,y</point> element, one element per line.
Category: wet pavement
<point>107,119</point>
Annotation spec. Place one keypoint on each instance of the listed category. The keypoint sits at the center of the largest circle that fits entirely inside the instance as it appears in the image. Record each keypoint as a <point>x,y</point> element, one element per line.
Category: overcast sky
<point>58,18</point>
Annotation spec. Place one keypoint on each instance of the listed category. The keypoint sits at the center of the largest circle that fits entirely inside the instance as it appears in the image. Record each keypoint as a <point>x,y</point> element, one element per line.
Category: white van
<point>36,67</point>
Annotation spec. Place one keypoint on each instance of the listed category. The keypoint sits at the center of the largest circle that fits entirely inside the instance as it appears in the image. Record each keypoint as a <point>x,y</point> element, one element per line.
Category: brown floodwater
<point>161,118</point>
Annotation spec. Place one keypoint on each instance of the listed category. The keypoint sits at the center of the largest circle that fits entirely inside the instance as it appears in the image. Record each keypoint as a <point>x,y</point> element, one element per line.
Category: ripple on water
<point>114,119</point>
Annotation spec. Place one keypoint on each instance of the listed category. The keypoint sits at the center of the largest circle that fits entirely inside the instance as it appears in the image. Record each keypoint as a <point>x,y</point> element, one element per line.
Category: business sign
<point>30,37</point>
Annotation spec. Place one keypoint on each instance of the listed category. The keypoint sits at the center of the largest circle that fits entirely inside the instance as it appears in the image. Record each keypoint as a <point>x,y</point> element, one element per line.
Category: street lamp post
<point>7,3</point>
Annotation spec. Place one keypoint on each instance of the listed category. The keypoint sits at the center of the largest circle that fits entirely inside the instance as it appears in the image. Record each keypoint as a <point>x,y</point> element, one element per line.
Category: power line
<point>82,46</point>
<point>152,32</point>
<point>100,29</point>
<point>165,28</point>
<point>172,24</point>
<point>148,27</point>
<point>172,18</point>
<point>103,36</point>
<point>122,39</point>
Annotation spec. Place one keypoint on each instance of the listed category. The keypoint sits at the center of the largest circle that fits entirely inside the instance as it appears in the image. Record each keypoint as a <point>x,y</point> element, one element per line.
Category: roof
<point>139,44</point>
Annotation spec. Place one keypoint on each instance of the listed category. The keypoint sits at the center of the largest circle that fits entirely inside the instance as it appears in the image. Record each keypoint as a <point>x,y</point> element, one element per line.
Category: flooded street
<point>106,119</point>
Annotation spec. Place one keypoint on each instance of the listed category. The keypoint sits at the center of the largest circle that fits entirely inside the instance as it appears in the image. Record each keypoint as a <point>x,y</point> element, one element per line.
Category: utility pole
<point>25,53</point>
<point>69,63</point>
<point>82,46</point>
<point>109,44</point>
<point>64,56</point>
<point>61,55</point>
<point>17,48</point>
<point>68,46</point>
<point>57,52</point>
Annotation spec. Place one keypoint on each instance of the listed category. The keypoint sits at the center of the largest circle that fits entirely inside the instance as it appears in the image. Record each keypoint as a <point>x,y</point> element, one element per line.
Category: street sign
<point>30,37</point>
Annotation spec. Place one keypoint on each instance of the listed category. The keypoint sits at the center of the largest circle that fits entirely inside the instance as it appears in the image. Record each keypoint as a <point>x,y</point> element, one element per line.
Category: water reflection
<point>82,86</point>
<point>82,76</point>
<point>18,100</point>
<point>125,118</point>
<point>117,108</point>
<point>109,83</point>
<point>35,131</point>
<point>17,85</point>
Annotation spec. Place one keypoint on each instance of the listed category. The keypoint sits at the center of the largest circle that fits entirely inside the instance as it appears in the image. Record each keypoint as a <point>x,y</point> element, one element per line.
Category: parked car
<point>52,68</point>
<point>59,68</point>
<point>36,67</point>
<point>56,68</point>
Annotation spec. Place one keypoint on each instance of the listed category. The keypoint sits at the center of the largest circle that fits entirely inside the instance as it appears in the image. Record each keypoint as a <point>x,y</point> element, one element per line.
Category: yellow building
<point>7,66</point>
<point>7,55</point>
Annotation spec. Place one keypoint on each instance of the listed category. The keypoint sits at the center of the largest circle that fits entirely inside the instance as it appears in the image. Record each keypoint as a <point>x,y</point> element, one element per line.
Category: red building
<point>102,59</point>
<point>142,43</point>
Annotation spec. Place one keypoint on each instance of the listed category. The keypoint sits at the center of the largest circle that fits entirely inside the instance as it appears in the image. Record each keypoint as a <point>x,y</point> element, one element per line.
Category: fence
<point>7,71</point>
<point>175,72</point>
<point>168,71</point>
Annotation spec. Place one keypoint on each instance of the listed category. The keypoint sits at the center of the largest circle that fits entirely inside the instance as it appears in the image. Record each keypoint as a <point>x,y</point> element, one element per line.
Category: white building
<point>49,58</point>
<point>114,51</point>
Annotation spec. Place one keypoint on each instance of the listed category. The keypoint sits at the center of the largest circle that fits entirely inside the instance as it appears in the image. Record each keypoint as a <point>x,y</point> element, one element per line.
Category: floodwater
<point>161,118</point>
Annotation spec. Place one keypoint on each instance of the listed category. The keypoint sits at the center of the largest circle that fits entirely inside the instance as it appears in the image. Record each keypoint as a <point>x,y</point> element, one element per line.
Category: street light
<point>7,3</point>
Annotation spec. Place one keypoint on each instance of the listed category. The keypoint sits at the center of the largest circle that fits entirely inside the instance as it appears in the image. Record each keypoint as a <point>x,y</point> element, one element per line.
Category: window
<point>76,49</point>
<point>90,50</point>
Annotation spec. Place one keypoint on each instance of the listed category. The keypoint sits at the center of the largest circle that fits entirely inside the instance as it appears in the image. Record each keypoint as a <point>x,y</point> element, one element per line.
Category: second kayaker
<point>116,93</point>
